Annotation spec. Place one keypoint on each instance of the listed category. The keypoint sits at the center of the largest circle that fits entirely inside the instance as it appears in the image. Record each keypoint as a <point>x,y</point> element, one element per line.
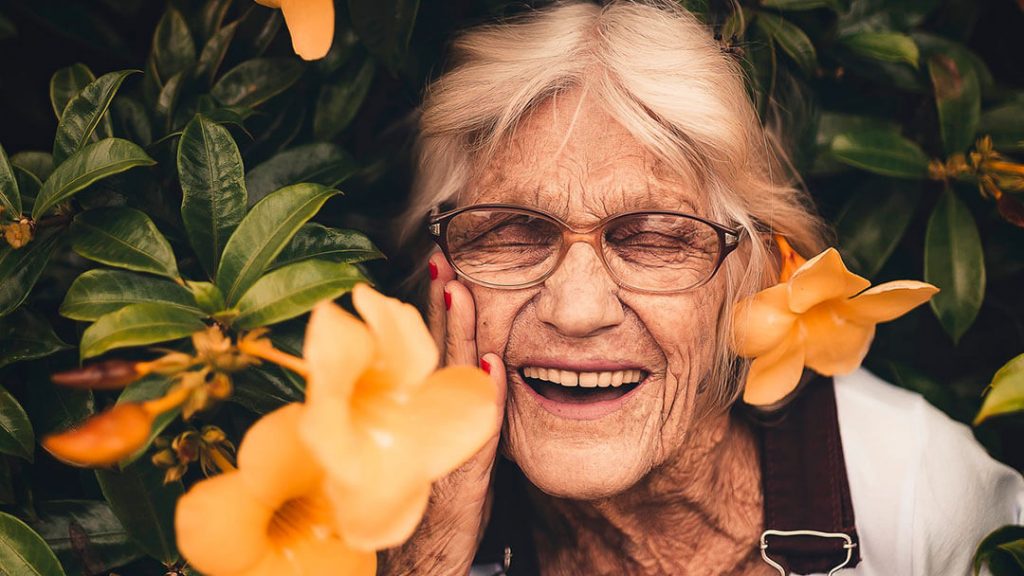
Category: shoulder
<point>924,491</point>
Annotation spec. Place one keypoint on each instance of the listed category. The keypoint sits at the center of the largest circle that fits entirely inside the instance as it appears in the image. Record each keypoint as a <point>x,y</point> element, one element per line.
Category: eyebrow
<point>559,204</point>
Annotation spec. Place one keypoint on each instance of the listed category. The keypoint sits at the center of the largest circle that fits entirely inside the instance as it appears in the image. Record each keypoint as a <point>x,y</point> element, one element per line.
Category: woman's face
<point>570,158</point>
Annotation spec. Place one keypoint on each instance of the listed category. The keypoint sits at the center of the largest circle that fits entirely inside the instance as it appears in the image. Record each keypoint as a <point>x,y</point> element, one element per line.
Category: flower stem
<point>220,460</point>
<point>262,349</point>
<point>170,401</point>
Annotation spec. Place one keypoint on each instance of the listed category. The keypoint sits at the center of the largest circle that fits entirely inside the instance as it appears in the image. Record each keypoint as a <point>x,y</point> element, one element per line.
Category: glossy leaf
<point>125,238</point>
<point>20,269</point>
<point>292,290</point>
<point>90,164</point>
<point>138,325</point>
<point>882,152</point>
<point>955,263</point>
<point>145,507</point>
<point>214,51</point>
<point>793,41</point>
<point>10,195</point>
<point>1004,123</point>
<point>23,552</point>
<point>84,114</point>
<point>989,546</point>
<point>958,97</point>
<point>385,27</point>
<point>872,223</point>
<point>66,83</point>
<point>264,233</point>
<point>210,18</point>
<point>265,388</point>
<point>173,50</point>
<point>207,297</point>
<point>333,244</point>
<point>318,163</point>
<point>339,101</point>
<point>85,535</point>
<point>883,46</point>
<point>52,408</point>
<point>40,164</point>
<point>148,388</point>
<point>29,187</point>
<point>255,81</point>
<point>99,292</point>
<point>167,100</point>
<point>1005,395</point>
<point>25,335</point>
<point>16,437</point>
<point>213,188</point>
<point>131,121</point>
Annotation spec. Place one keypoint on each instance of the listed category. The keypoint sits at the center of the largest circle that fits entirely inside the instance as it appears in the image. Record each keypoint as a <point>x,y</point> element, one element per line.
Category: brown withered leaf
<point>1011,209</point>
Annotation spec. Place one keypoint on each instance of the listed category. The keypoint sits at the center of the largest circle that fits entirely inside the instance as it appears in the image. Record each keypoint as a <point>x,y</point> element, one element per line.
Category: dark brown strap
<point>805,483</point>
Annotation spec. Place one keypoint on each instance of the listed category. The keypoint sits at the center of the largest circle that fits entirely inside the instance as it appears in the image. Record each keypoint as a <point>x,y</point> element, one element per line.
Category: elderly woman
<point>604,194</point>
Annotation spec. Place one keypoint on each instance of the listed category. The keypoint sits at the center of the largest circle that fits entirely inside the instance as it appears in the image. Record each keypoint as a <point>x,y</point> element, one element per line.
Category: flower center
<point>299,519</point>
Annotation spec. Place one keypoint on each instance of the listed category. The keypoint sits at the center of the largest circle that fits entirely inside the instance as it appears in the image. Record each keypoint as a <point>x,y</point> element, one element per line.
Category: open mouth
<point>571,387</point>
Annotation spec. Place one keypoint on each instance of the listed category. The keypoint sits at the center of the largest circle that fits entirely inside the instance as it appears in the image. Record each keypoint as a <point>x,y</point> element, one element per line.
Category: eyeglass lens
<point>656,252</point>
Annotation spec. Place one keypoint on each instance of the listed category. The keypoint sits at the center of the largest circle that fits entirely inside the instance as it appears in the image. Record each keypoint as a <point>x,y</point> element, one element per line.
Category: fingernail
<point>485,365</point>
<point>433,270</point>
<point>447,300</point>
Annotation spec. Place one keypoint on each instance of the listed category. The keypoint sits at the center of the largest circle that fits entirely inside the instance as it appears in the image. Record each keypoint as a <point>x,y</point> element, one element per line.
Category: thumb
<point>495,368</point>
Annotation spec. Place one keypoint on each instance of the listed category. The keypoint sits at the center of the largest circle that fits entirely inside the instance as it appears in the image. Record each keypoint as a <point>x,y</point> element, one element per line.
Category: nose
<point>580,299</point>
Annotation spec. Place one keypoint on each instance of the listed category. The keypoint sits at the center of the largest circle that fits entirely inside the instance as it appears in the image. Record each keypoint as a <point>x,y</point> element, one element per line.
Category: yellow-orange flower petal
<point>311,24</point>
<point>762,321</point>
<point>221,526</point>
<point>315,557</point>
<point>273,459</point>
<point>383,518</point>
<point>822,278</point>
<point>833,343</point>
<point>406,353</point>
<point>104,439</point>
<point>775,374</point>
<point>890,300</point>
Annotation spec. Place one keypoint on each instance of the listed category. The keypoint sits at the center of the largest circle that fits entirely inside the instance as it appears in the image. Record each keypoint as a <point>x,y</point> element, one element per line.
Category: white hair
<point>658,71</point>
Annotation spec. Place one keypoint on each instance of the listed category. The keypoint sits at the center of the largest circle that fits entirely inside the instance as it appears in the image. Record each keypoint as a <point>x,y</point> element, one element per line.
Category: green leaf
<point>148,388</point>
<point>40,164</point>
<point>958,98</point>
<point>213,52</point>
<point>52,408</point>
<point>334,244</point>
<point>16,437</point>
<point>990,544</point>
<point>23,552</point>
<point>20,269</point>
<point>1005,394</point>
<point>84,113</point>
<point>791,39</point>
<point>255,81</point>
<point>167,101</point>
<point>66,83</point>
<point>99,292</point>
<point>29,187</point>
<point>173,50</point>
<point>90,164</point>
<point>138,325</point>
<point>883,46</point>
<point>125,238</point>
<point>131,121</point>
<point>213,188</point>
<point>955,263</point>
<point>385,27</point>
<point>882,152</point>
<point>287,292</point>
<point>339,101</point>
<point>210,17</point>
<point>85,535</point>
<point>873,221</point>
<point>1004,123</point>
<point>265,388</point>
<point>207,296</point>
<point>10,195</point>
<point>145,507</point>
<point>318,163</point>
<point>795,5</point>
<point>25,335</point>
<point>263,233</point>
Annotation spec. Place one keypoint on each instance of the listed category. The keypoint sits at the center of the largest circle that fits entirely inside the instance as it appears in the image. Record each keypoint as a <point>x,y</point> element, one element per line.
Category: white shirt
<point>924,491</point>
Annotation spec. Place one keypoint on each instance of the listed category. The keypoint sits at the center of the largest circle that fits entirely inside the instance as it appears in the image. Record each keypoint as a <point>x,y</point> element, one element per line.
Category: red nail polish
<point>433,270</point>
<point>447,300</point>
<point>485,365</point>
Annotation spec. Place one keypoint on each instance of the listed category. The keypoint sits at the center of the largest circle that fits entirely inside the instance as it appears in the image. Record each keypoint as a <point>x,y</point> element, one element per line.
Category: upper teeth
<point>584,379</point>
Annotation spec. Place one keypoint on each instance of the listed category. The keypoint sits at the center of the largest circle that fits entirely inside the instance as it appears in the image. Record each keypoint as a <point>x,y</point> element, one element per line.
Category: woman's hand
<point>446,540</point>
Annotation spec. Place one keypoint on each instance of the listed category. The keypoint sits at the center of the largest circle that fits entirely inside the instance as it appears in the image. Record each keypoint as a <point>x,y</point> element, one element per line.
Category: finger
<point>495,368</point>
<point>440,273</point>
<point>460,326</point>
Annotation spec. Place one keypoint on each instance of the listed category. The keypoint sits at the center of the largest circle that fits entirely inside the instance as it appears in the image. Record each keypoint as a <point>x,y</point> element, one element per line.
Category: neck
<point>700,513</point>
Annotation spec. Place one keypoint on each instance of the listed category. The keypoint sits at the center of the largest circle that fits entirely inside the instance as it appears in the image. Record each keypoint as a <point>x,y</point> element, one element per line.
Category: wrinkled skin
<point>649,488</point>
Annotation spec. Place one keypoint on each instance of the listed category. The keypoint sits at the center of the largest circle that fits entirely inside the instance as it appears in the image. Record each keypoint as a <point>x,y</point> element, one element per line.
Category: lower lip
<point>587,411</point>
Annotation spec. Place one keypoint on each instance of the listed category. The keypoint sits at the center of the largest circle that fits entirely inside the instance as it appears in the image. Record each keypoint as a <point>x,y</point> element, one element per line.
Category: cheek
<point>496,310</point>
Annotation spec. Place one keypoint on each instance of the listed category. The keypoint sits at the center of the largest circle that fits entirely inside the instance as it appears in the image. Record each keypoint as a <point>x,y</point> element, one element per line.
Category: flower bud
<point>104,439</point>
<point>107,375</point>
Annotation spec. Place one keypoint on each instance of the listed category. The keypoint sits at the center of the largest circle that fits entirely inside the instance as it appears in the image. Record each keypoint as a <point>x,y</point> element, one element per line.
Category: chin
<point>581,473</point>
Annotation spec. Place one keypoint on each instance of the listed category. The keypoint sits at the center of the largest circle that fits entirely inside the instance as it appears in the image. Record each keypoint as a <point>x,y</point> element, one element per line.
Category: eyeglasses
<point>510,247</point>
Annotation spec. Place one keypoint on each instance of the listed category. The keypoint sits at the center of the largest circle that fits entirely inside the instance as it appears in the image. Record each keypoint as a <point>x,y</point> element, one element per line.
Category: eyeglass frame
<point>438,228</point>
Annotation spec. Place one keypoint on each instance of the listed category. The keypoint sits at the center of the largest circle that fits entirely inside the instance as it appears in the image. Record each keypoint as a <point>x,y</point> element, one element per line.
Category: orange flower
<point>311,24</point>
<point>271,516</point>
<point>379,418</point>
<point>821,316</point>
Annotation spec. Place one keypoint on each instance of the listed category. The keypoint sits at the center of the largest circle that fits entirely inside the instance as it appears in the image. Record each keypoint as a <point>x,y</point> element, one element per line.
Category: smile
<point>578,394</point>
